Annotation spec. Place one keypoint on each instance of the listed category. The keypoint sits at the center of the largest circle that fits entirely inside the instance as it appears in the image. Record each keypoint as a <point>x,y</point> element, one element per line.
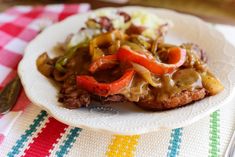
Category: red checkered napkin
<point>18,26</point>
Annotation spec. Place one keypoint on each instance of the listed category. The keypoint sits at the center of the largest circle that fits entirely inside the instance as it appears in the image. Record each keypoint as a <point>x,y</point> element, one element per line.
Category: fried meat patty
<point>177,100</point>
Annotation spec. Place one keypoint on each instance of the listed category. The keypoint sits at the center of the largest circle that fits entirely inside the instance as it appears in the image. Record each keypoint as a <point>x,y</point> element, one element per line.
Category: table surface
<point>31,129</point>
<point>210,10</point>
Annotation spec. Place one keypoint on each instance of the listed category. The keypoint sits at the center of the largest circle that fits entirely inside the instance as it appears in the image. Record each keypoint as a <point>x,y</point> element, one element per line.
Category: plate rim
<point>142,130</point>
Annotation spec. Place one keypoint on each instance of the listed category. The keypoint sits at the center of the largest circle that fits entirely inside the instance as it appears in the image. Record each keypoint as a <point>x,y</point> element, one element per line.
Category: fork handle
<point>230,151</point>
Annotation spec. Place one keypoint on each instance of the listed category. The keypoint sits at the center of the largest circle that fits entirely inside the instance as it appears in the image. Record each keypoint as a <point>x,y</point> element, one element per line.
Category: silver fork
<point>230,151</point>
<point>9,95</point>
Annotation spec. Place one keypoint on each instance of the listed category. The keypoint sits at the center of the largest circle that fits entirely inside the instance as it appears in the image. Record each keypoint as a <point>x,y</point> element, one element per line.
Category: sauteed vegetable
<point>123,57</point>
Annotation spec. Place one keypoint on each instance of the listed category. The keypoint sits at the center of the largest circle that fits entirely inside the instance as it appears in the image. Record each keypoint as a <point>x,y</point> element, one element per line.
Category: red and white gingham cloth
<point>18,26</point>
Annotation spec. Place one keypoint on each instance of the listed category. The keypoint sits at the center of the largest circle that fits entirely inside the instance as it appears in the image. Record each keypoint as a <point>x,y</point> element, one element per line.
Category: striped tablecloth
<point>34,133</point>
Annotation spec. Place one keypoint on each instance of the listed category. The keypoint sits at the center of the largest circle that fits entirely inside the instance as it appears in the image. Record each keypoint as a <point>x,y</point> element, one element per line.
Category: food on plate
<point>119,56</point>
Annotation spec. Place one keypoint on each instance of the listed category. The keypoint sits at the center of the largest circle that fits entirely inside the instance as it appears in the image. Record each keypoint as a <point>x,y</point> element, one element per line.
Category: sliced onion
<point>58,76</point>
<point>136,90</point>
<point>211,83</point>
<point>103,39</point>
<point>43,65</point>
<point>146,74</point>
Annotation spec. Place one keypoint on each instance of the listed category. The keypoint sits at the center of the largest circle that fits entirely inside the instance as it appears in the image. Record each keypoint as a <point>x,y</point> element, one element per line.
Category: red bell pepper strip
<point>89,84</point>
<point>103,63</point>
<point>176,57</point>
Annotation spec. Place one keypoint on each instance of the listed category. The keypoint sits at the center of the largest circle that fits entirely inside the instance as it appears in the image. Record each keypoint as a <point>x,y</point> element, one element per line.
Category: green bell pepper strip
<point>62,61</point>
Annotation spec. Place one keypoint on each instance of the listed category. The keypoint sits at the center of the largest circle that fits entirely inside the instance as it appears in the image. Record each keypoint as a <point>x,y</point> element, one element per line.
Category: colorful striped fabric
<point>214,134</point>
<point>28,133</point>
<point>122,145</point>
<point>36,134</point>
<point>68,142</point>
<point>175,141</point>
<point>45,136</point>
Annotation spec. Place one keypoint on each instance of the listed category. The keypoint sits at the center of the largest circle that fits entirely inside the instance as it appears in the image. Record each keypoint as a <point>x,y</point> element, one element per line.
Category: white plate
<point>127,118</point>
